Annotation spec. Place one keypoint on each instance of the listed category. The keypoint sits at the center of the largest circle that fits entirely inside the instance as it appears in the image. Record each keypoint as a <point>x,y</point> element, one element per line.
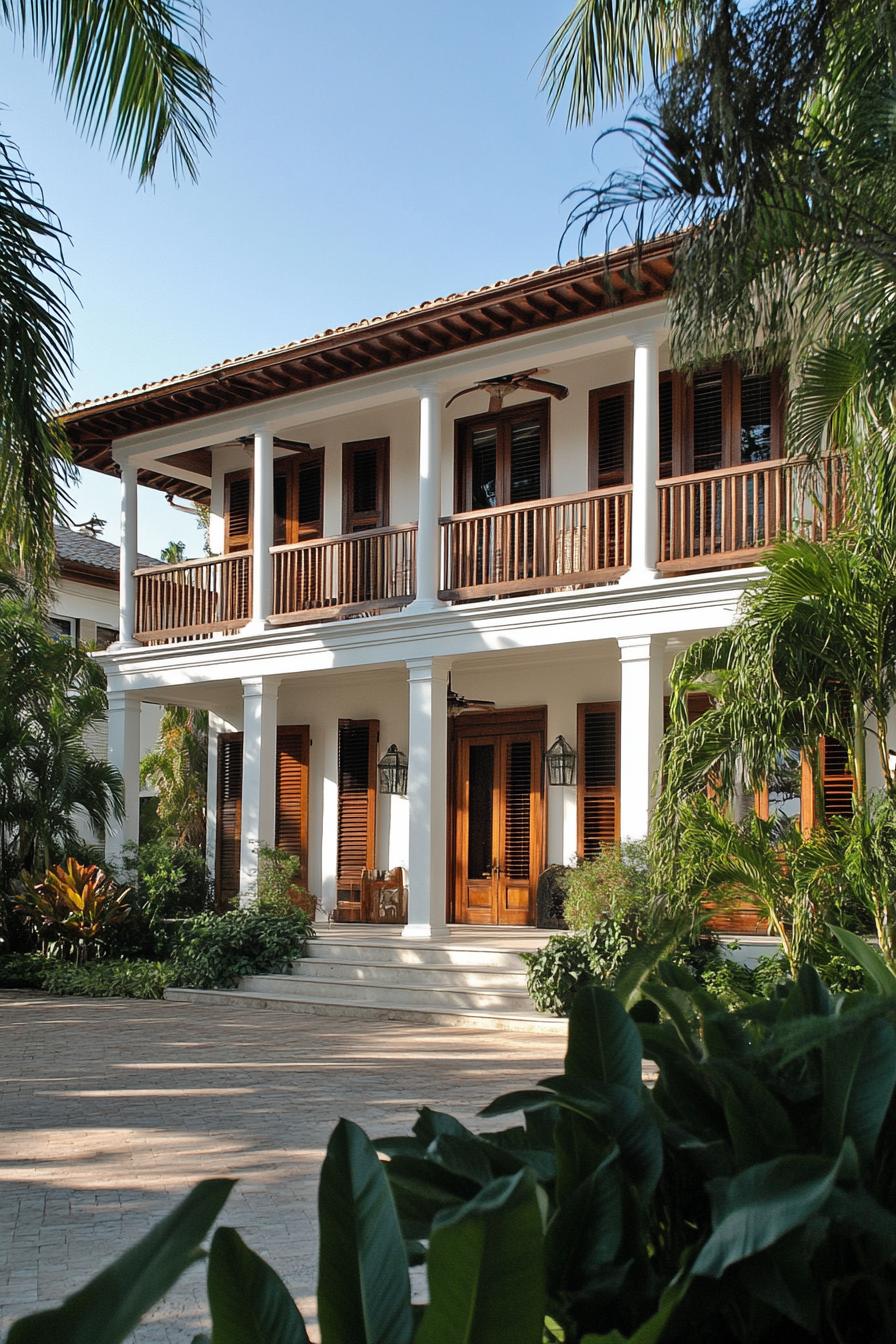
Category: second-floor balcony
<point>708,520</point>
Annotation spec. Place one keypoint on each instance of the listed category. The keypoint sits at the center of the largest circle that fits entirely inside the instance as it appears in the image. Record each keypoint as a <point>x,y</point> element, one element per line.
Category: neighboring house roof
<point>91,559</point>
<point>543,298</point>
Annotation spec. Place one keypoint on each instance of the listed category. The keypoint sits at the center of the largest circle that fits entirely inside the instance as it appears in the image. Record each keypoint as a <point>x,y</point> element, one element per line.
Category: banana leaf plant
<point>750,1195</point>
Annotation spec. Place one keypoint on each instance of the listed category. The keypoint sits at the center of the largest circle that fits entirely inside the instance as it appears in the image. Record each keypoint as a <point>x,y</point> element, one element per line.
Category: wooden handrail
<point>571,541</point>
<point>607,492</point>
<point>193,598</point>
<point>344,536</point>
<point>356,573</point>
<point>718,518</point>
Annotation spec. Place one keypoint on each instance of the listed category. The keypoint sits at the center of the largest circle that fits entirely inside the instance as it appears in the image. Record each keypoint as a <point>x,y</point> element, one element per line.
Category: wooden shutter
<point>291,831</point>
<point>358,740</point>
<point>365,485</point>
<point>518,810</point>
<point>837,783</point>
<point>598,776</point>
<point>610,436</point>
<point>238,511</point>
<point>228,819</point>
<point>709,444</point>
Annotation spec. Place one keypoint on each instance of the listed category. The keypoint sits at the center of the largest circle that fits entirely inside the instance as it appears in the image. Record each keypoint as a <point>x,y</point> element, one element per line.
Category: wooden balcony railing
<point>717,518</point>
<point>571,541</point>
<point>195,598</point>
<point>345,576</point>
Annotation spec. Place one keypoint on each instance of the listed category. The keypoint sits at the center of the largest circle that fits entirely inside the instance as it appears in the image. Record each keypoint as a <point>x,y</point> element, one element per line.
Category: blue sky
<point>367,157</point>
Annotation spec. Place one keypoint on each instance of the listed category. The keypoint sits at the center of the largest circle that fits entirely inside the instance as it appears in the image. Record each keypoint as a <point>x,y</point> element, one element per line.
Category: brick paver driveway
<point>113,1108</point>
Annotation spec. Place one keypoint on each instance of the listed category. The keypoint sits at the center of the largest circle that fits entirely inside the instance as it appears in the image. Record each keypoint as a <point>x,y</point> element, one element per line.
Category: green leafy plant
<point>107,979</point>
<point>178,769</point>
<point>74,906</point>
<point>615,882</point>
<point>747,1198</point>
<point>557,971</point>
<point>278,888</point>
<point>22,970</point>
<point>215,951</point>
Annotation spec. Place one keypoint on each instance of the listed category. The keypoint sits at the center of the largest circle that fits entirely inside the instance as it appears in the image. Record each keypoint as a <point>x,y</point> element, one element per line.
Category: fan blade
<point>542,385</point>
<point>463,392</point>
<point>484,704</point>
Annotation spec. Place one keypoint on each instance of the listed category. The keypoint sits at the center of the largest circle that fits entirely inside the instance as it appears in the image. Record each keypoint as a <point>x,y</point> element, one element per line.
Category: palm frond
<point>131,73</point>
<point>35,366</point>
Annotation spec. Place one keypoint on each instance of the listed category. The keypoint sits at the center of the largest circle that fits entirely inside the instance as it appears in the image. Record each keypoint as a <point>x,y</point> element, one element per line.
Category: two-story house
<point>494,581</point>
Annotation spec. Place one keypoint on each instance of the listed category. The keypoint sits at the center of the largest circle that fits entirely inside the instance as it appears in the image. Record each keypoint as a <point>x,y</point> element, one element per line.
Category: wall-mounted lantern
<point>561,762</point>
<point>393,772</point>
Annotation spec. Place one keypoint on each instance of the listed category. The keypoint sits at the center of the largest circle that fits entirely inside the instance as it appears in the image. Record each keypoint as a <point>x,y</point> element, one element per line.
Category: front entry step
<point>464,983</point>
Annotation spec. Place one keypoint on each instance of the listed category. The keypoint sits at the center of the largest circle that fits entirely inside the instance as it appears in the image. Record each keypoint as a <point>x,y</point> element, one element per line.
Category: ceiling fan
<point>499,388</point>
<point>460,704</point>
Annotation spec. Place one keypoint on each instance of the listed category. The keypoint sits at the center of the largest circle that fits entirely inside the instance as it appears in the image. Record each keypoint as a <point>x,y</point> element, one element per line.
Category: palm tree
<point>768,141</point>
<point>50,781</point>
<point>131,74</point>
<point>177,770</point>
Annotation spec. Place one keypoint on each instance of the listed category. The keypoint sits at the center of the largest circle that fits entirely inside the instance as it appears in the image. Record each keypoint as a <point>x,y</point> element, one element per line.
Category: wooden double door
<point>497,841</point>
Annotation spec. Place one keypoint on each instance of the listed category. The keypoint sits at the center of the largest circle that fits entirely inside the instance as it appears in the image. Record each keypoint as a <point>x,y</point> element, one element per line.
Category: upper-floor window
<point>106,635</point>
<point>502,458</point>
<point>63,627</point>
<point>717,419</point>
<point>298,502</point>
<point>365,485</point>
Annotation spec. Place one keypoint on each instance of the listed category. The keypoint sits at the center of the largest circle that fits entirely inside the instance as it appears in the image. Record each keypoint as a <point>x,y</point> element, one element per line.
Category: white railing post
<point>640,730</point>
<point>427,794</point>
<point>429,499</point>
<point>645,459</point>
<point>127,583</point>
<point>262,530</point>
<point>258,804</point>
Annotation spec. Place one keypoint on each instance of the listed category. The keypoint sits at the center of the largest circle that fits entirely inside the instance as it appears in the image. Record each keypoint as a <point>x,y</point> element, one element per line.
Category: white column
<point>429,501</point>
<point>211,793</point>
<point>127,584</point>
<point>258,804</point>
<point>328,736</point>
<point>123,752</point>
<point>640,731</point>
<point>645,459</point>
<point>262,529</point>
<point>427,794</point>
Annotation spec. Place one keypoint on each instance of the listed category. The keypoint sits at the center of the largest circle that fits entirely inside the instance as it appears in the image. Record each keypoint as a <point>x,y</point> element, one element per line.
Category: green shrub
<point>278,889</point>
<point>170,880</point>
<point>22,970</point>
<point>556,972</point>
<point>215,951</point>
<point>749,1197</point>
<point>615,882</point>
<point>108,979</point>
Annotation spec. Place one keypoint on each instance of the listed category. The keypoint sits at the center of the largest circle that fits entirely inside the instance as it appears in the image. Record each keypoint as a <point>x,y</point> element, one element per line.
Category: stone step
<point>412,953</point>
<point>529,1022</point>
<point>372,995</point>
<point>398,974</point>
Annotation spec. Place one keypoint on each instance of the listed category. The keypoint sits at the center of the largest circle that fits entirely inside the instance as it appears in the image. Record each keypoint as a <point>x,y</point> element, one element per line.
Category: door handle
<point>496,868</point>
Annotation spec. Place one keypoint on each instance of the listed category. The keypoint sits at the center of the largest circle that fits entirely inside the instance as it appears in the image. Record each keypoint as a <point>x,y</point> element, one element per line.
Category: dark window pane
<point>666,427</point>
<point>707,422</point>
<point>785,787</point>
<point>611,440</point>
<point>525,463</point>
<point>310,490</point>
<point>479,834</point>
<point>364,480</point>
<point>484,460</point>
<point>756,418</point>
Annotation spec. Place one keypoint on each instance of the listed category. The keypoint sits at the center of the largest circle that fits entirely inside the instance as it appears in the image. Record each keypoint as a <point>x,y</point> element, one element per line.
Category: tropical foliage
<point>73,906</point>
<point>749,1196</point>
<point>768,141</point>
<point>214,951</point>
<point>131,74</point>
<point>614,882</point>
<point>177,770</point>
<point>52,786</point>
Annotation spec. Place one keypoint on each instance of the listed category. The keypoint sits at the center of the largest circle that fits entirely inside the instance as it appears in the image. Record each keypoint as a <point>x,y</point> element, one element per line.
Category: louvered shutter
<point>518,810</point>
<point>525,462</point>
<point>708,422</point>
<point>365,488</point>
<point>292,794</point>
<point>229,819</point>
<point>357,804</point>
<point>598,776</point>
<point>238,511</point>
<point>667,427</point>
<point>755,418</point>
<point>837,783</point>
<point>610,417</point>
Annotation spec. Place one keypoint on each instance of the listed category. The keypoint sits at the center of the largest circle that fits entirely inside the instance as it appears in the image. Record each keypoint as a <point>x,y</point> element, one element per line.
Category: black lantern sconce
<point>561,762</point>
<point>393,772</point>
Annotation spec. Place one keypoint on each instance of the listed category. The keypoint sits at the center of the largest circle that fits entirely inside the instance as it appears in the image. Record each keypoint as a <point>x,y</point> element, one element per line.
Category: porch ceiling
<point>547,298</point>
